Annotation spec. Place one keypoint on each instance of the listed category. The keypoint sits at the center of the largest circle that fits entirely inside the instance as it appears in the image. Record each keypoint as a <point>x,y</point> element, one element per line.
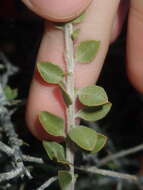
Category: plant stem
<point>11,175</point>
<point>110,173</point>
<point>48,183</point>
<point>70,85</point>
<point>120,154</point>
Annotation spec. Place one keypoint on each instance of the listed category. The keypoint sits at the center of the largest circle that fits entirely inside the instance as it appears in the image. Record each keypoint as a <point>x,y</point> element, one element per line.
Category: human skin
<point>103,21</point>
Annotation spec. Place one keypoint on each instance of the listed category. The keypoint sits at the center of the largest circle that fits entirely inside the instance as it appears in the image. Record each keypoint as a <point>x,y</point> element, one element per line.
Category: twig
<point>120,154</point>
<point>5,119</point>
<point>13,139</point>
<point>47,183</point>
<point>28,158</point>
<point>6,149</point>
<point>70,85</point>
<point>10,152</point>
<point>109,173</point>
<point>10,70</point>
<point>10,175</point>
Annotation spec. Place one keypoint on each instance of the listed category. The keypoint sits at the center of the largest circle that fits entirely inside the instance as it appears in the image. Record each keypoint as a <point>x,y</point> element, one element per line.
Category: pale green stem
<point>70,85</point>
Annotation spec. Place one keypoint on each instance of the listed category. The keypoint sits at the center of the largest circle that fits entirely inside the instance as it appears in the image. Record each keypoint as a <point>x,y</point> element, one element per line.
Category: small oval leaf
<point>10,93</point>
<point>54,150</point>
<point>65,179</point>
<point>84,137</point>
<point>101,141</point>
<point>92,96</point>
<point>59,26</point>
<point>50,72</point>
<point>78,19</point>
<point>94,113</point>
<point>52,124</point>
<point>86,51</point>
<point>75,34</point>
<point>66,96</point>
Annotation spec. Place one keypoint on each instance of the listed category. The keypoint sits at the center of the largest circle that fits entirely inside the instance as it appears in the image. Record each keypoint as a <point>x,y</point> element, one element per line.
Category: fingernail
<point>58,10</point>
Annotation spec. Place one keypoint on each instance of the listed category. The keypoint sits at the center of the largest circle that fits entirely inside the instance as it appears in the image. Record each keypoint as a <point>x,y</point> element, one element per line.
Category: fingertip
<point>55,10</point>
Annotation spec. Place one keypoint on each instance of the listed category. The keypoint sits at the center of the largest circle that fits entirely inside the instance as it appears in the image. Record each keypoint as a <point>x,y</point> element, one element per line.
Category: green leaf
<point>50,72</point>
<point>52,124</point>
<point>78,19</point>
<point>86,51</point>
<point>59,27</point>
<point>84,137</point>
<point>65,179</point>
<point>66,96</point>
<point>94,113</point>
<point>92,96</point>
<point>10,93</point>
<point>101,141</point>
<point>75,34</point>
<point>54,150</point>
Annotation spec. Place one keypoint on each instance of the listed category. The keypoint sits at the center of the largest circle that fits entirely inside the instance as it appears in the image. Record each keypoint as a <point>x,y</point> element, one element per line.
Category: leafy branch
<point>94,100</point>
<point>70,85</point>
<point>73,135</point>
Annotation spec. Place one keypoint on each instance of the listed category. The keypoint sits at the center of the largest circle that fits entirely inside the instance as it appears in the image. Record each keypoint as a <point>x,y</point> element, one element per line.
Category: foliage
<point>93,98</point>
<point>118,125</point>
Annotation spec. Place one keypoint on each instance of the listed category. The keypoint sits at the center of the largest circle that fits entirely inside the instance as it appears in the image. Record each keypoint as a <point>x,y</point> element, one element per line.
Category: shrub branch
<point>47,183</point>
<point>120,154</point>
<point>70,86</point>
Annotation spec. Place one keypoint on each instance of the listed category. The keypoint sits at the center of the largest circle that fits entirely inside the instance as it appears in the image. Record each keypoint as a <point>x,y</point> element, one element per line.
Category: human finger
<point>97,25</point>
<point>135,44</point>
<point>56,10</point>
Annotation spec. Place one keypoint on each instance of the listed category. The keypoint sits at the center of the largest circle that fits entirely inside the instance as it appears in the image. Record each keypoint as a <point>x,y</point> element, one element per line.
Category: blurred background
<point>20,35</point>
